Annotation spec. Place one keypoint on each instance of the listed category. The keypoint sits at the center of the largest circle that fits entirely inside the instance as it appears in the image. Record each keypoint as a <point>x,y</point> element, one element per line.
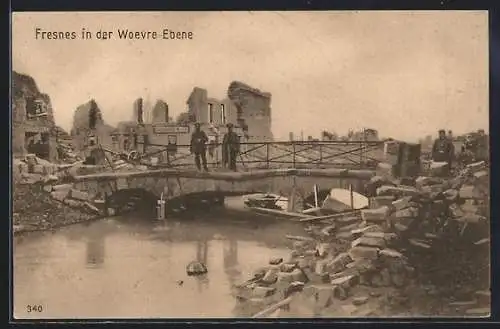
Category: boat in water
<point>265,200</point>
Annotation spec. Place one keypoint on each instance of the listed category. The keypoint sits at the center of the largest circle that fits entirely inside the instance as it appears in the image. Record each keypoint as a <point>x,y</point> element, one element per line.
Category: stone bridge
<point>173,183</point>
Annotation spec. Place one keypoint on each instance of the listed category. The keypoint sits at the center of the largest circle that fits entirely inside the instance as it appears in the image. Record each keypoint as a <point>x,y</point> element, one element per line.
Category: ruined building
<point>245,107</point>
<point>33,127</point>
<point>83,128</point>
<point>160,112</point>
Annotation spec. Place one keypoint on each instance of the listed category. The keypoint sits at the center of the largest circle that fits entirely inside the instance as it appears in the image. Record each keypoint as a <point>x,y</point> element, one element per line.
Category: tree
<point>183,118</point>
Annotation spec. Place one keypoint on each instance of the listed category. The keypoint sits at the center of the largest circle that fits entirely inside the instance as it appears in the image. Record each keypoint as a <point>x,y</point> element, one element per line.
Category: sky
<point>406,74</point>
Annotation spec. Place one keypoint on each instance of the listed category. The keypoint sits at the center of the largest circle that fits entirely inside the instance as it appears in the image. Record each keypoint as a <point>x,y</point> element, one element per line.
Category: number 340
<point>34,308</point>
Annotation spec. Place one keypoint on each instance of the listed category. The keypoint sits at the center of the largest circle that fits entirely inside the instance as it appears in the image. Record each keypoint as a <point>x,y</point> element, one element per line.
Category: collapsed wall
<point>433,235</point>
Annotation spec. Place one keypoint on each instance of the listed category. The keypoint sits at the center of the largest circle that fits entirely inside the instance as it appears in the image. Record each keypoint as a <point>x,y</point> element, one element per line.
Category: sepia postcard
<point>307,164</point>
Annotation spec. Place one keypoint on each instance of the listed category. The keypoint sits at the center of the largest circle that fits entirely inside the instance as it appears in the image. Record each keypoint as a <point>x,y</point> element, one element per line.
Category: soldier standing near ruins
<point>443,150</point>
<point>198,147</point>
<point>230,147</point>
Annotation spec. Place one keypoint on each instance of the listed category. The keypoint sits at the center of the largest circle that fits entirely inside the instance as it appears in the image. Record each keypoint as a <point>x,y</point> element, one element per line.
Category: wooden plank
<point>273,308</point>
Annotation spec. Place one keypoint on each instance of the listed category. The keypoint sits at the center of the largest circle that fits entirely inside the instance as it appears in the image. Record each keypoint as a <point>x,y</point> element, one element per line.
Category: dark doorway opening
<point>38,144</point>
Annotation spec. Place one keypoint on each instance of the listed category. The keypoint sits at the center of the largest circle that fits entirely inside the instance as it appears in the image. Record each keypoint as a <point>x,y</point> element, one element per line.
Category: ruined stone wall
<point>253,109</point>
<point>197,104</point>
<point>80,129</point>
<point>25,90</point>
<point>160,112</point>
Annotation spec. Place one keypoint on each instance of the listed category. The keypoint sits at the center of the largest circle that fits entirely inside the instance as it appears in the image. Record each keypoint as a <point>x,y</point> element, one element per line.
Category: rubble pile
<point>67,154</point>
<point>432,232</point>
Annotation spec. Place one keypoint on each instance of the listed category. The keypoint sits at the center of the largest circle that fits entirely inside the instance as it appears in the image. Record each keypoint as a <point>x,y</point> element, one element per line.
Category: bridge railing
<point>296,154</point>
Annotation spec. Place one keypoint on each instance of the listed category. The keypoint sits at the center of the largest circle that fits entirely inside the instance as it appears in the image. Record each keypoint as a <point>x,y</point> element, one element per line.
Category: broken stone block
<point>324,295</point>
<point>294,287</point>
<point>451,194</point>
<point>363,253</point>
<point>398,190</point>
<point>79,195</point>
<point>271,276</point>
<point>400,227</point>
<point>59,195</point>
<point>361,266</point>
<point>328,230</point>
<point>73,203</point>
<point>406,213</point>
<point>357,301</point>
<point>285,278</point>
<point>469,192</point>
<point>299,275</point>
<point>321,266</point>
<point>380,201</point>
<point>90,207</point>
<point>427,180</point>
<point>476,166</point>
<point>275,261</point>
<point>402,203</point>
<point>388,237</point>
<point>391,253</point>
<point>38,169</point>
<point>367,229</point>
<point>346,281</point>
<point>306,263</point>
<point>47,188</point>
<point>375,215</point>
<point>262,292</point>
<point>369,242</point>
<point>348,228</point>
<point>482,177</point>
<point>339,263</point>
<point>288,267</point>
<point>61,187</point>
<point>111,211</point>
<point>344,236</point>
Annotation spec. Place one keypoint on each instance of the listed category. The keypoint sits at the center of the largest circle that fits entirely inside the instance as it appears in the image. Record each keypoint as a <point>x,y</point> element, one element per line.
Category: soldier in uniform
<point>230,147</point>
<point>198,147</point>
<point>443,149</point>
<point>482,147</point>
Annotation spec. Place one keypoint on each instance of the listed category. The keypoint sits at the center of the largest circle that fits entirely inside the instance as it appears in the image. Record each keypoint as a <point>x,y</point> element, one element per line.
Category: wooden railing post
<point>267,155</point>
<point>320,154</point>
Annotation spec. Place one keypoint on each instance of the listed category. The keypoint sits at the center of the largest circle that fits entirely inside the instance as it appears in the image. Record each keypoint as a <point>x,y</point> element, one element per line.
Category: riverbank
<point>34,209</point>
<point>421,249</point>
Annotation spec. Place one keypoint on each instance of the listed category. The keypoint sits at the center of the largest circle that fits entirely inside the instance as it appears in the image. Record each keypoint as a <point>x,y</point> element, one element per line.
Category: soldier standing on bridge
<point>443,150</point>
<point>230,147</point>
<point>198,146</point>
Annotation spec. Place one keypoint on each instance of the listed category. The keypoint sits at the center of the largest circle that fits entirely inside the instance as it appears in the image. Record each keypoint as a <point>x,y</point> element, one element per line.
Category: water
<point>128,268</point>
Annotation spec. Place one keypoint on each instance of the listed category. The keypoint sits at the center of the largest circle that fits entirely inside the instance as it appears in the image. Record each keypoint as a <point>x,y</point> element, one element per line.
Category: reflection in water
<point>143,267</point>
<point>231,261</point>
<point>202,256</point>
<point>96,250</point>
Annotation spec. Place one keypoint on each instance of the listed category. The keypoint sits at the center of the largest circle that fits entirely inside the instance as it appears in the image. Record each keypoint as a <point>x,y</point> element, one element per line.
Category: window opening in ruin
<point>35,108</point>
<point>223,113</point>
<point>210,113</point>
